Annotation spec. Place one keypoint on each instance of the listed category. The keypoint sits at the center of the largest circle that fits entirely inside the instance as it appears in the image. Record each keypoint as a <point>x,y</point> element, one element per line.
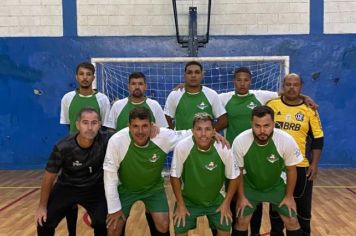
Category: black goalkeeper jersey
<point>79,167</point>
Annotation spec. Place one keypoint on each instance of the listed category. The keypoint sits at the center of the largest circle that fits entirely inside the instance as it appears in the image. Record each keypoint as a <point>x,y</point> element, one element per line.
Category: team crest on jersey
<point>252,105</point>
<point>299,116</point>
<point>272,158</point>
<point>77,163</point>
<point>154,158</point>
<point>288,117</point>
<point>202,106</point>
<point>211,166</point>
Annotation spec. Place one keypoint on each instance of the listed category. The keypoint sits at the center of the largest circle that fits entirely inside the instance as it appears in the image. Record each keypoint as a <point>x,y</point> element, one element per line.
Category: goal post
<point>164,73</point>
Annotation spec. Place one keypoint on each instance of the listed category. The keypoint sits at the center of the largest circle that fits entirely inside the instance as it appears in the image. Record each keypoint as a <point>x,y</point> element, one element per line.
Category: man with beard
<point>71,104</point>
<point>78,159</point>
<point>239,104</point>
<point>182,105</point>
<point>302,122</point>
<point>119,113</point>
<point>264,154</point>
<point>132,171</point>
<point>84,96</point>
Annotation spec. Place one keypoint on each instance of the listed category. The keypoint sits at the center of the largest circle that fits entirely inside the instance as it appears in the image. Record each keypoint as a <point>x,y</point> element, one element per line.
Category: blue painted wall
<point>29,122</point>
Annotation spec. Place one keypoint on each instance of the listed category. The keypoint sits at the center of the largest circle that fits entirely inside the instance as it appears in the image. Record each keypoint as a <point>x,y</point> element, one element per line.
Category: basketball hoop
<point>192,41</point>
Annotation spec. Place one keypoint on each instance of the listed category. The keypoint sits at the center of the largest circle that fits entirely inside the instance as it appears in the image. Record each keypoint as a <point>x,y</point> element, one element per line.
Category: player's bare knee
<point>162,226</point>
<point>113,232</point>
<point>161,221</point>
<point>242,222</point>
<point>291,223</point>
<point>117,231</point>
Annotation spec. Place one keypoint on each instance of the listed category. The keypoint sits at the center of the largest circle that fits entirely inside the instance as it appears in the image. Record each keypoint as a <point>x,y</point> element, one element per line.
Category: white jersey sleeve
<point>264,95</point>
<point>167,139</point>
<point>111,181</point>
<point>180,155</point>
<point>232,170</point>
<point>104,105</point>
<point>287,147</point>
<point>65,103</point>
<point>241,145</point>
<point>117,148</point>
<point>114,112</point>
<point>157,113</point>
<point>172,102</point>
<point>214,100</point>
<point>225,97</point>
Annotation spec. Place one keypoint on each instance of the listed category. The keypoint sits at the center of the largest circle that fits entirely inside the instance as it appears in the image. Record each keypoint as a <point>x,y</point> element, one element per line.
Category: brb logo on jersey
<point>202,106</point>
<point>154,158</point>
<point>211,166</point>
<point>287,126</point>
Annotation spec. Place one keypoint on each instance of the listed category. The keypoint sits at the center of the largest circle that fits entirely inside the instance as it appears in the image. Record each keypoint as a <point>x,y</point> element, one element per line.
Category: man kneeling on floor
<point>199,168</point>
<point>268,158</point>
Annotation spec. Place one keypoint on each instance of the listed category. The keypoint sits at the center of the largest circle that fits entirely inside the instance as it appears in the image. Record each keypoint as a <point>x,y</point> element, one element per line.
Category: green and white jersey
<point>120,110</point>
<point>264,165</point>
<point>138,168</point>
<point>239,108</point>
<point>202,172</point>
<point>73,102</point>
<point>182,106</point>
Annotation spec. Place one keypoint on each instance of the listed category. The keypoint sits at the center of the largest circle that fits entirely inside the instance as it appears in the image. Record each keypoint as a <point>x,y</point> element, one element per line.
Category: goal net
<point>163,74</point>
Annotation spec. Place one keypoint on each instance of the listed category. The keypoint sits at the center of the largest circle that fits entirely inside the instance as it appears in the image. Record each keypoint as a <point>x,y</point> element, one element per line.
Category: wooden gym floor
<point>334,206</point>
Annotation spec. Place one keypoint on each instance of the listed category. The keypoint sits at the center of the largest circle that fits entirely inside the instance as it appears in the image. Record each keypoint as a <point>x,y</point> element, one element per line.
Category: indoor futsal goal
<point>163,74</point>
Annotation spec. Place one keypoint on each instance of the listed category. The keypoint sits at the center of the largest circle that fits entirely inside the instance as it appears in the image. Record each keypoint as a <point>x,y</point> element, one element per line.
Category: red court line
<point>86,219</point>
<point>352,191</point>
<point>18,199</point>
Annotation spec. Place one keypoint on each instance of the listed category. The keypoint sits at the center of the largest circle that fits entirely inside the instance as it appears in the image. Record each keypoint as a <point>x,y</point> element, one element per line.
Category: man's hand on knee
<point>115,220</point>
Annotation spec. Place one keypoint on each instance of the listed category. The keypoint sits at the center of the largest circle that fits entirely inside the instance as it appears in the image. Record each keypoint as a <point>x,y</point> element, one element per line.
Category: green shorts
<point>274,196</point>
<point>154,201</point>
<point>195,212</point>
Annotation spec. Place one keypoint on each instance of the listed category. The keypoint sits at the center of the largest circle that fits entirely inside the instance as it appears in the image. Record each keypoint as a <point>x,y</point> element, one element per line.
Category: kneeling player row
<point>132,171</point>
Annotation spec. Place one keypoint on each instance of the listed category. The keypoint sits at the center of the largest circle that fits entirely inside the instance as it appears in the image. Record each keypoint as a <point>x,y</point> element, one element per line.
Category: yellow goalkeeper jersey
<point>298,121</point>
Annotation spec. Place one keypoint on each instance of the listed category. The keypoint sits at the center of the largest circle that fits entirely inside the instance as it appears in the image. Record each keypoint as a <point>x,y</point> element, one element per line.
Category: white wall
<point>339,16</point>
<point>31,18</point>
<point>155,17</point>
<point>229,17</point>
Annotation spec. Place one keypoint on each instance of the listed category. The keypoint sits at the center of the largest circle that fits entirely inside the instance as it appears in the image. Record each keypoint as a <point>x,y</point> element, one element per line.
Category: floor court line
<point>352,191</point>
<point>18,199</point>
<point>334,186</point>
<point>19,187</point>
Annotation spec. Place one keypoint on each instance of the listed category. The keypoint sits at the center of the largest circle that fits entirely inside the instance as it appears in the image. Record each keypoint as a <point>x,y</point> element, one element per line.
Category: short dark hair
<point>141,113</point>
<point>137,75</point>
<point>261,111</point>
<point>89,110</point>
<point>193,63</point>
<point>86,65</point>
<point>242,70</point>
<point>202,116</point>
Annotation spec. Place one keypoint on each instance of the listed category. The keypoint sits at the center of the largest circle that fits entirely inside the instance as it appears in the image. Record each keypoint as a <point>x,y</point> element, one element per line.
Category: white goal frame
<point>284,59</point>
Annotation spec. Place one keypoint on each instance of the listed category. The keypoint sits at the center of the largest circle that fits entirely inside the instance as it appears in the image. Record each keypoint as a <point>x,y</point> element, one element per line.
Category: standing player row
<point>231,110</point>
